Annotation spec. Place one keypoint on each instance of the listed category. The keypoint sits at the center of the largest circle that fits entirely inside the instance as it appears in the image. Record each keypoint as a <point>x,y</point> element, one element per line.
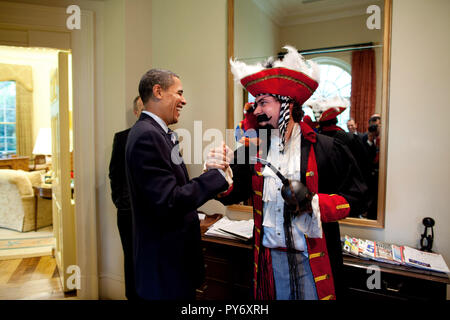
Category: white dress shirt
<point>162,124</point>
<point>273,204</point>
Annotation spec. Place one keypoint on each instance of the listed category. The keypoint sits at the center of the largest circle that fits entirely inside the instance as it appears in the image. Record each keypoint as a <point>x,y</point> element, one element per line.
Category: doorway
<point>36,94</point>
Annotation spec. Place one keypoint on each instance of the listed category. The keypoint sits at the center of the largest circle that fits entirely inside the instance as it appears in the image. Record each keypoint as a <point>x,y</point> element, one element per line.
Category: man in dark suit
<point>371,141</point>
<point>120,197</point>
<point>166,230</point>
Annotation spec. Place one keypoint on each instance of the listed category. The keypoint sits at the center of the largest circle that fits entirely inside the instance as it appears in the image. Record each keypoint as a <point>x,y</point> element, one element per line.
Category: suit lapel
<point>167,138</point>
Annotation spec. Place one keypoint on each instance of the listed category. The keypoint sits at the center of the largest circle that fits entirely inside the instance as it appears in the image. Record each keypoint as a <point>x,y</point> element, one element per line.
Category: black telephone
<point>426,241</point>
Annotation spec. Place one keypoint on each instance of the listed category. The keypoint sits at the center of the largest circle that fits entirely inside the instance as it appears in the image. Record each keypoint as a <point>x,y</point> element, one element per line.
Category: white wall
<point>338,32</point>
<point>255,36</point>
<point>189,38</point>
<point>126,56</point>
<point>418,174</point>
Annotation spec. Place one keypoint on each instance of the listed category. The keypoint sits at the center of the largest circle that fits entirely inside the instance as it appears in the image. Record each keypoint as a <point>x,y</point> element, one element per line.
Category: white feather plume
<point>319,104</point>
<point>292,60</point>
<point>241,70</point>
<point>295,61</point>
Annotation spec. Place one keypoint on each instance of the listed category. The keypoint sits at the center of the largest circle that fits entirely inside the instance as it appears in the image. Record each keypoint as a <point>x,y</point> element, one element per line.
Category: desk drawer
<point>392,286</point>
<point>228,272</point>
<point>217,269</point>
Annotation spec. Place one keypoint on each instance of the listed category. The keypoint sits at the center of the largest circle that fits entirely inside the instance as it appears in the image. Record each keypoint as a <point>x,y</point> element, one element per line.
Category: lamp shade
<point>43,143</point>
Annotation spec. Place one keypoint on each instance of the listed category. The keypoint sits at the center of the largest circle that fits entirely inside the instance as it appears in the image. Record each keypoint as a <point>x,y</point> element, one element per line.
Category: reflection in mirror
<point>353,56</point>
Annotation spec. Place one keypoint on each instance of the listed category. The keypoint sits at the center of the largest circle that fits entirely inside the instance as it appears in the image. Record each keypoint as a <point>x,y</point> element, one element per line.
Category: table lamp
<point>43,143</point>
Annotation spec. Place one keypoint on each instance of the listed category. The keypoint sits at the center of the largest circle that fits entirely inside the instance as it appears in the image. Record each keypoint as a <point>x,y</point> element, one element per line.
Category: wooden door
<point>63,204</point>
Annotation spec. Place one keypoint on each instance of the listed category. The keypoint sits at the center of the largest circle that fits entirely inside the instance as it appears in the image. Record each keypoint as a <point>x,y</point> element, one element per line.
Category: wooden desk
<point>45,192</point>
<point>396,282</point>
<point>229,275</point>
<point>15,163</point>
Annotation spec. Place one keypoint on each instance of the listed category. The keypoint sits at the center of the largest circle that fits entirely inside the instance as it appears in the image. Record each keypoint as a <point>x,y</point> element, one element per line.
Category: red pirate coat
<point>329,170</point>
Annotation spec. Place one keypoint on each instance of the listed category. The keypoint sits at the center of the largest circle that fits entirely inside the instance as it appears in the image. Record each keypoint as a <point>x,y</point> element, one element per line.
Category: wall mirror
<point>349,39</point>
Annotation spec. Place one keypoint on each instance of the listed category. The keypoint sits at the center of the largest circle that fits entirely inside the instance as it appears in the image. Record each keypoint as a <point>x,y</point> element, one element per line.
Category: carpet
<point>6,244</point>
<point>25,248</point>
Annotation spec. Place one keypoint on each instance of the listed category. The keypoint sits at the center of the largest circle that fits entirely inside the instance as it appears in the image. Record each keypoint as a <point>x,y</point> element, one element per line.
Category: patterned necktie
<point>173,136</point>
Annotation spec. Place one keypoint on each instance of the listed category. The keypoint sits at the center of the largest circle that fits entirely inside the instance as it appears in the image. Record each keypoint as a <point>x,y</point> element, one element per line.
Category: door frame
<point>28,20</point>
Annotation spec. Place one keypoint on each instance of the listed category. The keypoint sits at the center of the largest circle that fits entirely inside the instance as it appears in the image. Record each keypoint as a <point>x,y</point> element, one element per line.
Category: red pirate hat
<point>331,113</point>
<point>281,81</point>
<point>292,76</point>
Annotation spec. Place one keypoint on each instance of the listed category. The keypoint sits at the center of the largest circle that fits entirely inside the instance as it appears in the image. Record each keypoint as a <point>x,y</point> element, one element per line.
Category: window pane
<point>2,130</point>
<point>10,101</point>
<point>346,90</point>
<point>10,130</point>
<point>2,144</point>
<point>10,115</point>
<point>11,144</point>
<point>2,115</point>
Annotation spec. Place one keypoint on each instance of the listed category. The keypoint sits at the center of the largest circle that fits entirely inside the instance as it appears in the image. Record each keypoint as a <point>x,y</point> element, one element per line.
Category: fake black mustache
<point>262,117</point>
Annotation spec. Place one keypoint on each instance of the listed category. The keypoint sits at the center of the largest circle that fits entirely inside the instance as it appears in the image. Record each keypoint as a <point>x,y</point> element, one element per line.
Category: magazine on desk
<point>394,254</point>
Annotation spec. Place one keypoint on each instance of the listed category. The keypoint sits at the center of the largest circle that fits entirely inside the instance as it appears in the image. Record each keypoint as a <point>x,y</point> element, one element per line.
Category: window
<point>7,117</point>
<point>335,80</point>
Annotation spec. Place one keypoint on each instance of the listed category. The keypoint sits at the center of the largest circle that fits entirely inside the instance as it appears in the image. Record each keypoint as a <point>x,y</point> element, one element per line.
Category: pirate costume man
<point>297,251</point>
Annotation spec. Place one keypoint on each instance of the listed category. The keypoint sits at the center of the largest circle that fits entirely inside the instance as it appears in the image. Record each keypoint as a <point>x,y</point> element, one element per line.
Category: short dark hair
<point>374,119</point>
<point>297,112</point>
<point>153,77</point>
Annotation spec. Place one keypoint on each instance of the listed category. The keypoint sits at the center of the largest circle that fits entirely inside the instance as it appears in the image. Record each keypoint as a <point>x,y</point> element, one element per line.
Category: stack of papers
<point>231,229</point>
<point>424,260</point>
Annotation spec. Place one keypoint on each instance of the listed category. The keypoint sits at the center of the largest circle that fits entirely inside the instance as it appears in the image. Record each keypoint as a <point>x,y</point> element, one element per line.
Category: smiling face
<point>270,107</point>
<point>173,101</point>
<point>351,126</point>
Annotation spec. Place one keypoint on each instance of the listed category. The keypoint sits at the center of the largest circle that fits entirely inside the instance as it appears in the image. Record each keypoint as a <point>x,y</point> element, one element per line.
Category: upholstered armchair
<point>17,201</point>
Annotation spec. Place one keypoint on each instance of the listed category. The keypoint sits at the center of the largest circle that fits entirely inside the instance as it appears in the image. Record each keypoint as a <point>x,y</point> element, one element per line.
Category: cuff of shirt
<point>227,174</point>
<point>315,230</point>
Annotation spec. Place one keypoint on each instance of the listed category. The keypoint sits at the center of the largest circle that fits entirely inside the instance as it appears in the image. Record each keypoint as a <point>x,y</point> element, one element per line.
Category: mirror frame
<point>386,66</point>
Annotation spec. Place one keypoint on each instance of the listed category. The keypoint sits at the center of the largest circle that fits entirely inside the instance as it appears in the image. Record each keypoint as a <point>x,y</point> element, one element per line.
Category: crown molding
<point>284,13</point>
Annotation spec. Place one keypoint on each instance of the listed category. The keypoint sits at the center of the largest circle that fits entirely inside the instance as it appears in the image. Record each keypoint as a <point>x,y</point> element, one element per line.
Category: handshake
<point>219,158</point>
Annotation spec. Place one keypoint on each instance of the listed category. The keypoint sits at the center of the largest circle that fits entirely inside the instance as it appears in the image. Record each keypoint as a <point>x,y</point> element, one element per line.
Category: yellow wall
<point>42,62</point>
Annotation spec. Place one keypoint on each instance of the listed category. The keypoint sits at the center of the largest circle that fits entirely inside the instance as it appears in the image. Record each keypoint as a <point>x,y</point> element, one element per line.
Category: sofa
<point>17,201</point>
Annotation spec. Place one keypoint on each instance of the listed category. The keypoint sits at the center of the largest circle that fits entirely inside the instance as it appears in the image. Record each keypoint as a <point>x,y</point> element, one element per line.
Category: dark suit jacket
<point>166,229</point>
<point>119,187</point>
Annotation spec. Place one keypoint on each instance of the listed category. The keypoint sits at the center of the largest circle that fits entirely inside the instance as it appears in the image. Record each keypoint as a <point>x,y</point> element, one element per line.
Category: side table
<point>44,192</point>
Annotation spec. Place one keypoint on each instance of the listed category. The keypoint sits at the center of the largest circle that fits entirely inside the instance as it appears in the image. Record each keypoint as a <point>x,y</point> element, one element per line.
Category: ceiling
<point>293,12</point>
<point>28,54</point>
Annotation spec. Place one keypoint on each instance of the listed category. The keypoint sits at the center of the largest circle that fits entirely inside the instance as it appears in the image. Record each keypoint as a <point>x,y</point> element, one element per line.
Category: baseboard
<point>111,287</point>
<point>26,253</point>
